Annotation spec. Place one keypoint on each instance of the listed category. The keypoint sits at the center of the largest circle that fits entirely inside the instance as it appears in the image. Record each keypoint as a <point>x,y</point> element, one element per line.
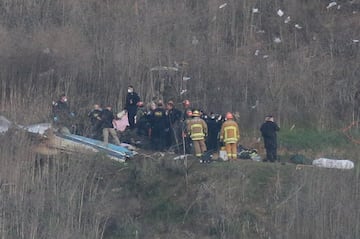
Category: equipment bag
<point>207,156</point>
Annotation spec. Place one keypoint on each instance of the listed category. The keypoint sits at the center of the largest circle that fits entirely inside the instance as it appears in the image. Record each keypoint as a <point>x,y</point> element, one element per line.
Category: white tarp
<point>333,163</point>
<point>38,128</point>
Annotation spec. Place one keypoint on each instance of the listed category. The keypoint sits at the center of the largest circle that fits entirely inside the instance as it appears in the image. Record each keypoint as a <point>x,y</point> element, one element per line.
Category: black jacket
<point>61,111</point>
<point>93,116</point>
<point>158,119</point>
<point>131,101</point>
<point>268,132</point>
<point>174,115</point>
<point>107,118</point>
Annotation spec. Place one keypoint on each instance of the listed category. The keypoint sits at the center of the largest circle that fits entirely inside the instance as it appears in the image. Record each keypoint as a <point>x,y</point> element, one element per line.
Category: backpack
<point>207,156</point>
<point>245,153</point>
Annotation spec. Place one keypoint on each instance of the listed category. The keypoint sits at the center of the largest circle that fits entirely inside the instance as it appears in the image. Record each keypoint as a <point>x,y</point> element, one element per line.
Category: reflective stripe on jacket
<point>230,132</point>
<point>197,128</point>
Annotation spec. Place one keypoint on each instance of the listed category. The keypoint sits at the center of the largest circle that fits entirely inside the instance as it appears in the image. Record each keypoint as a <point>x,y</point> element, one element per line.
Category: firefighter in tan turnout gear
<point>197,128</point>
<point>230,135</point>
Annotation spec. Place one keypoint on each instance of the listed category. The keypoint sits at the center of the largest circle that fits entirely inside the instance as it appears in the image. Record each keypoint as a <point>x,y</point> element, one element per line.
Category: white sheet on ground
<point>333,163</point>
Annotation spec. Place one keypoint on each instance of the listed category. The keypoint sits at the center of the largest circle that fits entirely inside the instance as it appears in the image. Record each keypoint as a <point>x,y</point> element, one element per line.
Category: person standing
<point>197,129</point>
<point>132,98</point>
<point>62,116</point>
<point>159,124</point>
<point>214,126</point>
<point>141,120</point>
<point>268,131</point>
<point>107,117</point>
<point>230,135</point>
<point>186,141</point>
<point>95,121</point>
<point>174,118</point>
<point>186,108</point>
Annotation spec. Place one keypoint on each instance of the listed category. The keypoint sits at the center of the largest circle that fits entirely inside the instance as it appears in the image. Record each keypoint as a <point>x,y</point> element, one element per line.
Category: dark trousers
<point>212,142</point>
<point>131,117</point>
<point>142,128</point>
<point>188,145</point>
<point>158,139</point>
<point>175,134</point>
<point>96,131</point>
<point>271,154</point>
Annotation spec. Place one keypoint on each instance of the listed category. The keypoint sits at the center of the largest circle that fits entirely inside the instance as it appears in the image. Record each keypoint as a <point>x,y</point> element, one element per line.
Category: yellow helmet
<point>196,113</point>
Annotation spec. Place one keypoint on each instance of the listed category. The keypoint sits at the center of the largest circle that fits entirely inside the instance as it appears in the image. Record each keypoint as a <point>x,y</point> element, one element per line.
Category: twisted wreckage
<point>52,141</point>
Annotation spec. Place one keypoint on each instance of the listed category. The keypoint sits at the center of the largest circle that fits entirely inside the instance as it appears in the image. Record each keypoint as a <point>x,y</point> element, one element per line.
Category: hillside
<point>242,199</point>
<point>296,59</point>
<point>154,196</point>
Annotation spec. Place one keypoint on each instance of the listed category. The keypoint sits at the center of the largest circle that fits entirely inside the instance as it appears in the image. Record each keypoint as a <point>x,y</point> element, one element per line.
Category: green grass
<point>313,139</point>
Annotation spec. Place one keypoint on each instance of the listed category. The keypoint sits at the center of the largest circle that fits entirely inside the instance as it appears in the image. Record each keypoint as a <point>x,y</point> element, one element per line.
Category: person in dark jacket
<point>159,124</point>
<point>107,117</point>
<point>268,131</point>
<point>132,98</point>
<point>95,121</point>
<point>174,118</point>
<point>62,116</point>
<point>142,124</point>
<point>214,126</point>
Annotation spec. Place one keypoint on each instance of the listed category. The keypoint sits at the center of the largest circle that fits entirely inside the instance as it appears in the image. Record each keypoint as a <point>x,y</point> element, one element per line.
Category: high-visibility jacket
<point>230,132</point>
<point>197,128</point>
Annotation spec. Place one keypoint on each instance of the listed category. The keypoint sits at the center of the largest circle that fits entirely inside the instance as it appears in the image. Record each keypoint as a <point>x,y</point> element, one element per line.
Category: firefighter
<point>197,129</point>
<point>230,135</point>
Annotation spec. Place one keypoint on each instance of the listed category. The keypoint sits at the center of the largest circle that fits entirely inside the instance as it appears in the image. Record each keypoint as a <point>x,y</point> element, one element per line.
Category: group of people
<point>101,119</point>
<point>166,127</point>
